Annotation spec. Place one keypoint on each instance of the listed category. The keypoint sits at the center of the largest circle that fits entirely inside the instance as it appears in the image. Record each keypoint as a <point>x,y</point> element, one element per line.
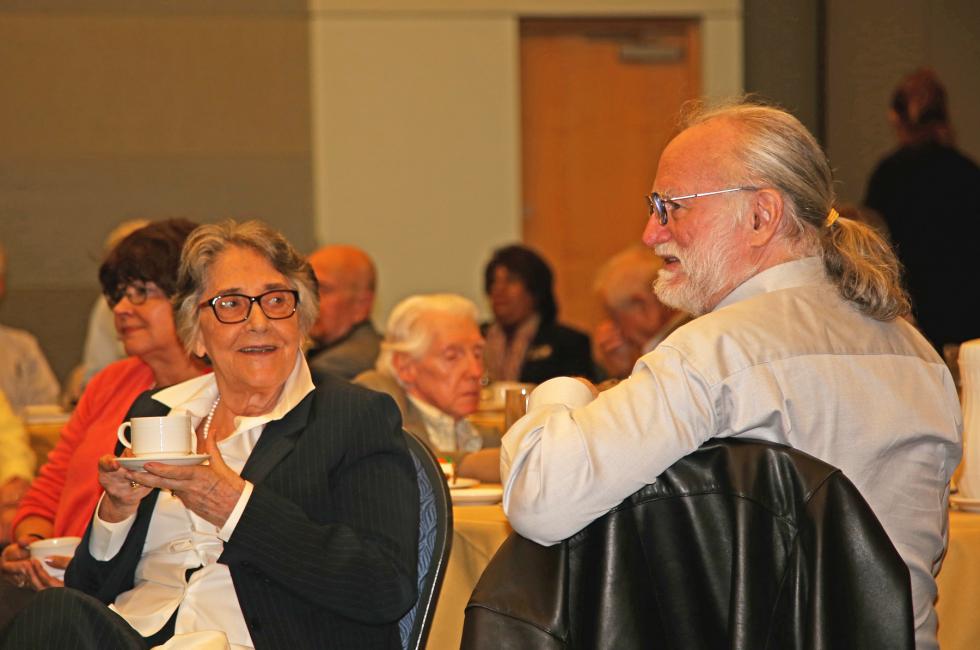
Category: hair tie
<point>831,218</point>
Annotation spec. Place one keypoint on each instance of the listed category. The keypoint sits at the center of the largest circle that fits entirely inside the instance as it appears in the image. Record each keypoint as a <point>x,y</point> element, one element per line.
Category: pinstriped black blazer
<point>325,553</point>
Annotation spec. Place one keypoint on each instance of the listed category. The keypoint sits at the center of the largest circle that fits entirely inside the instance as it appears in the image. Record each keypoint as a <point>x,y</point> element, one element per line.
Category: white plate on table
<point>486,495</point>
<point>136,462</point>
<point>461,483</point>
<point>965,503</point>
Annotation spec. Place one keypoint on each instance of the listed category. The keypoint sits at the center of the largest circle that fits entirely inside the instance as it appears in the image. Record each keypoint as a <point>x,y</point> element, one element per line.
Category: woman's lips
<point>258,349</point>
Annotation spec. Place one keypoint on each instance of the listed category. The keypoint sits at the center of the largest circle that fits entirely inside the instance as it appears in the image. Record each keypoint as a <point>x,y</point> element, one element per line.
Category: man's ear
<point>767,215</point>
<point>405,367</point>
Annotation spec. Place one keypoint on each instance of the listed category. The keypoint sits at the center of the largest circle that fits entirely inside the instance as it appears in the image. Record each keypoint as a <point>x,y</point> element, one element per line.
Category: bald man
<point>346,343</point>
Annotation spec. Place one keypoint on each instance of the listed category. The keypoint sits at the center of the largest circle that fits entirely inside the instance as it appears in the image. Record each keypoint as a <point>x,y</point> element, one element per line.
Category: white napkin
<point>969,483</point>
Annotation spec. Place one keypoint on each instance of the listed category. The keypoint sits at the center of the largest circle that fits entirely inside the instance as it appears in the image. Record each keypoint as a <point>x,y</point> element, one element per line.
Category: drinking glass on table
<point>515,405</point>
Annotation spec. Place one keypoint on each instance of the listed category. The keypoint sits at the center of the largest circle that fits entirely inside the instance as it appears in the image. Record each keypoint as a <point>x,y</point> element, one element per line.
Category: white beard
<point>707,269</point>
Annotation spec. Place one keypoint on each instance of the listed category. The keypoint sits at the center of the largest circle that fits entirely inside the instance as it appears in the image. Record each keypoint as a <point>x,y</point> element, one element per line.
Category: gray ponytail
<point>865,269</point>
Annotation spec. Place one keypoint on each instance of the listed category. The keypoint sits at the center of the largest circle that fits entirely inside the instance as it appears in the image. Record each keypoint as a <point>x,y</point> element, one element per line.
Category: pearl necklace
<point>207,422</point>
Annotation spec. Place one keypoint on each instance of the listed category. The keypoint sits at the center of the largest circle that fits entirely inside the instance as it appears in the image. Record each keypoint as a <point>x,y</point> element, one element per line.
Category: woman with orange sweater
<point>138,278</point>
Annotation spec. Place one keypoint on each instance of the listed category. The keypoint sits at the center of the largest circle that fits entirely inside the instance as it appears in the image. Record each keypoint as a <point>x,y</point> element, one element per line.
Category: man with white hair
<point>799,341</point>
<point>25,376</point>
<point>431,363</point>
<point>637,321</point>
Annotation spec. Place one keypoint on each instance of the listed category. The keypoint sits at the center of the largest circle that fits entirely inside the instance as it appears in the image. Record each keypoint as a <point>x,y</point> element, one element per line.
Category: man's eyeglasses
<point>233,308</point>
<point>659,204</point>
<point>135,293</point>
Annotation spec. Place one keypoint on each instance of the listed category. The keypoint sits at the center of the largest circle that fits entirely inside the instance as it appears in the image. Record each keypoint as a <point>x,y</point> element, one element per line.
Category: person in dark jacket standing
<point>926,192</point>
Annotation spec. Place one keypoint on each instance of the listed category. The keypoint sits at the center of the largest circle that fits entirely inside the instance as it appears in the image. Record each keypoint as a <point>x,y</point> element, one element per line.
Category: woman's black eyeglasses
<point>231,308</point>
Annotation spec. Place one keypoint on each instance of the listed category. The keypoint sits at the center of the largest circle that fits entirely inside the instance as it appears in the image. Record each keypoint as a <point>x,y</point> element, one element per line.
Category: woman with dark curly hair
<point>525,342</point>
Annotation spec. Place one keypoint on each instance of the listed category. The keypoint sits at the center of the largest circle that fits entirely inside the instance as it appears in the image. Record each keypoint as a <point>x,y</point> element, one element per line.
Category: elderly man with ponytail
<point>799,341</point>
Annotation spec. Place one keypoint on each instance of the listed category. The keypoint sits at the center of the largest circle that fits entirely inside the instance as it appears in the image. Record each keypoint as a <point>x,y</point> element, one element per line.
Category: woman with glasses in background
<point>138,277</point>
<point>299,532</point>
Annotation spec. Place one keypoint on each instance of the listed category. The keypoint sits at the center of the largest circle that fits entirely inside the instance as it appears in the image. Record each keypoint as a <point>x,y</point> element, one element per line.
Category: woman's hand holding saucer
<point>209,491</point>
<point>123,489</point>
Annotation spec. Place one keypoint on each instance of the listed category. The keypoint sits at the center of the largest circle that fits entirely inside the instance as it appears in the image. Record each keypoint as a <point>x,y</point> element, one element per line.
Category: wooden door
<point>599,101</point>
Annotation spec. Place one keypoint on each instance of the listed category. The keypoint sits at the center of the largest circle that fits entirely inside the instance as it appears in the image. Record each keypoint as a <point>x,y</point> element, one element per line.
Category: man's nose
<point>654,233</point>
<point>475,365</point>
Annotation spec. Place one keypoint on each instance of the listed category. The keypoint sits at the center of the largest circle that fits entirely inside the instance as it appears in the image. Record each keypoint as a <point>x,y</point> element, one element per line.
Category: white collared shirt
<point>785,359</point>
<point>444,432</point>
<point>179,540</point>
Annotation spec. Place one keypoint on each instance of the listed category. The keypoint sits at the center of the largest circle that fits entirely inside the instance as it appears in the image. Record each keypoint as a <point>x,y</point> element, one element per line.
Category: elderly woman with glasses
<point>138,277</point>
<point>301,530</point>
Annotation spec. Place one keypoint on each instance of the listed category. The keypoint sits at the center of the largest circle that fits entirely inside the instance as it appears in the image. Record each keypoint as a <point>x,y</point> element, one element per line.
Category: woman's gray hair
<point>407,332</point>
<point>776,150</point>
<point>207,242</point>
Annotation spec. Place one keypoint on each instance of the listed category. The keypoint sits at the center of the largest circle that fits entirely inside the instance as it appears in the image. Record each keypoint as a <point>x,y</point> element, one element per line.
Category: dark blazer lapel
<point>277,440</point>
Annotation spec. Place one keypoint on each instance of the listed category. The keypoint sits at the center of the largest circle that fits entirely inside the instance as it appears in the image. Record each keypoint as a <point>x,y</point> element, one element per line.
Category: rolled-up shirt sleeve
<point>572,458</point>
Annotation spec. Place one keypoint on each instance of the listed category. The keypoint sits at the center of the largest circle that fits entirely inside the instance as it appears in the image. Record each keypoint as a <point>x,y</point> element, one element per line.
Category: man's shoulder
<point>787,323</point>
<point>14,337</point>
<point>125,372</point>
<point>564,335</point>
<point>376,380</point>
<point>350,356</point>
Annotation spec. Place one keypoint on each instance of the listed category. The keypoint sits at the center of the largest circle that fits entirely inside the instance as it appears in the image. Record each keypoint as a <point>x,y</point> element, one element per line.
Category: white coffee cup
<point>168,434</point>
<point>44,548</point>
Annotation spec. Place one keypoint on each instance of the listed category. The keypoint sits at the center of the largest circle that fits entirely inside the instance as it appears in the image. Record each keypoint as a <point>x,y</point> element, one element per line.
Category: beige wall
<point>114,109</point>
<point>783,56</point>
<point>393,124</point>
<point>417,126</point>
<point>123,109</point>
<point>417,143</point>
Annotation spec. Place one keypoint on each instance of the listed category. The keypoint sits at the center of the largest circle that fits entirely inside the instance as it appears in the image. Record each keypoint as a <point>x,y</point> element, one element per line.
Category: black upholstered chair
<point>740,545</point>
<point>435,538</point>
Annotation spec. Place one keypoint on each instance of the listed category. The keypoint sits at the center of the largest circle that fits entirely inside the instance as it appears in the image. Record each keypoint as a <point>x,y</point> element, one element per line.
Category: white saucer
<point>965,503</point>
<point>460,483</point>
<point>136,462</point>
<point>487,495</point>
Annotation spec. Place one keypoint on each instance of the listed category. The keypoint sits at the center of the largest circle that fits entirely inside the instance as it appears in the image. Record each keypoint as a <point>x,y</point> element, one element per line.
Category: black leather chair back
<point>740,545</point>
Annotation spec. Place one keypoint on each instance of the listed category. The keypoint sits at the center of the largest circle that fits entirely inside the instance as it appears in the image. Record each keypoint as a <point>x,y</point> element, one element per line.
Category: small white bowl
<point>44,548</point>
